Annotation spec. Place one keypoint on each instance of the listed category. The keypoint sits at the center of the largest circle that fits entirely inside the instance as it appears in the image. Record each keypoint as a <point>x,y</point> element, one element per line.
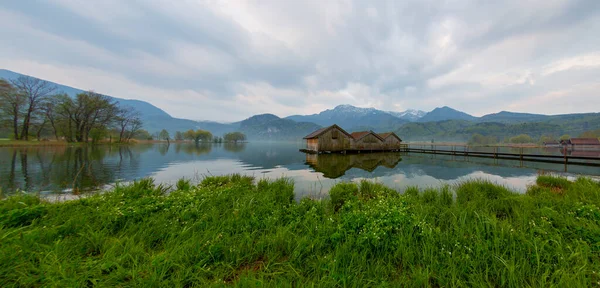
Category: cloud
<point>227,60</point>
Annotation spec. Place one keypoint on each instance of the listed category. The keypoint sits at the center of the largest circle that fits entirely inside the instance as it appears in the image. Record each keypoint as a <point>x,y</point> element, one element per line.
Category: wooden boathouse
<point>335,139</point>
<point>581,144</point>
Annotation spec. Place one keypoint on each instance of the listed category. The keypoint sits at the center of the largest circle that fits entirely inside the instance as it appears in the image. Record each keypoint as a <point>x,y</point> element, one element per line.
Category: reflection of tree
<point>163,149</point>
<point>197,149</point>
<point>11,175</point>
<point>24,169</point>
<point>234,147</point>
<point>336,165</point>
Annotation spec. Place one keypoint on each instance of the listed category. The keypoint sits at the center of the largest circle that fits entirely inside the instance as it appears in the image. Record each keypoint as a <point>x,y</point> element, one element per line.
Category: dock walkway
<point>466,152</point>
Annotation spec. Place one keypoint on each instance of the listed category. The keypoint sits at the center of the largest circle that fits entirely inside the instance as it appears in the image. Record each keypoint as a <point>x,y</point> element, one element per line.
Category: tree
<point>35,91</point>
<point>85,112</point>
<point>11,105</point>
<point>234,137</point>
<point>478,139</point>
<point>520,139</point>
<point>546,139</point>
<point>565,137</point>
<point>590,134</point>
<point>142,134</point>
<point>179,136</point>
<point>128,122</point>
<point>198,135</point>
<point>164,135</point>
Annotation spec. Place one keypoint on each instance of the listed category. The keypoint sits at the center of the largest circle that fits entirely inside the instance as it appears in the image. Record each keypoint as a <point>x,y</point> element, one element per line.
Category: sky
<point>228,60</point>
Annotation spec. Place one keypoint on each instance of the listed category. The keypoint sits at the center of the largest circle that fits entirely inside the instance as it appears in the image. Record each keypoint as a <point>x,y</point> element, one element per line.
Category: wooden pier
<point>467,151</point>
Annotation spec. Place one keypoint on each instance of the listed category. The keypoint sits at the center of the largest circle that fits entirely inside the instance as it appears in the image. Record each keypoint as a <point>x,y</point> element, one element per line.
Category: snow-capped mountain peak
<point>410,114</point>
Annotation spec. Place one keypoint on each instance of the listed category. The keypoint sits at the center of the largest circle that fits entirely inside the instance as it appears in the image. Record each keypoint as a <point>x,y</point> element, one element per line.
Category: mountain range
<point>440,123</point>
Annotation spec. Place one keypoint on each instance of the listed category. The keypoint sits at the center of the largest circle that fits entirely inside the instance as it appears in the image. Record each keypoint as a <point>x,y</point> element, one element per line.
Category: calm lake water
<point>49,170</point>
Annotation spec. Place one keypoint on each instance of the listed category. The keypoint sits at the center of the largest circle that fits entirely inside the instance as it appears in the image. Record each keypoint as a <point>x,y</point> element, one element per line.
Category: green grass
<point>231,230</point>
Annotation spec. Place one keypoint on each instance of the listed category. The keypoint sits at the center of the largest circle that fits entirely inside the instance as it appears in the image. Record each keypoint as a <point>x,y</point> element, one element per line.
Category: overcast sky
<point>228,60</point>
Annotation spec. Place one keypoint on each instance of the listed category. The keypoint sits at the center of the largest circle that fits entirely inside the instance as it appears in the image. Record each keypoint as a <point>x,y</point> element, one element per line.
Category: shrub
<point>341,193</point>
<point>553,181</point>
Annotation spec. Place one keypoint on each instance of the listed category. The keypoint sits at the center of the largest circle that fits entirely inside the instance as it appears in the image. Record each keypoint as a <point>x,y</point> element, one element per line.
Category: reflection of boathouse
<point>336,139</point>
<point>335,165</point>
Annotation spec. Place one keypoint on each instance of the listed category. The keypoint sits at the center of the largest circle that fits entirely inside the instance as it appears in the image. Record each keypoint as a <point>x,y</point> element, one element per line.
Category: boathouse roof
<point>360,134</point>
<point>388,134</point>
<point>319,132</point>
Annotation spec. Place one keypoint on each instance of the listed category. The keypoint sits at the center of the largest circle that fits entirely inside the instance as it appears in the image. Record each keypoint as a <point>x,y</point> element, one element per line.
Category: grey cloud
<point>374,49</point>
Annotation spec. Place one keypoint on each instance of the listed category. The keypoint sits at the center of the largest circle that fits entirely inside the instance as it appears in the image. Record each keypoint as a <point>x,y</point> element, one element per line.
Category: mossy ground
<point>234,231</point>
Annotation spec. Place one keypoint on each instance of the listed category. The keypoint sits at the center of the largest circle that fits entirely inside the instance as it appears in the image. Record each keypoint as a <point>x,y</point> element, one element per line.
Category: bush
<point>553,182</point>
<point>341,193</point>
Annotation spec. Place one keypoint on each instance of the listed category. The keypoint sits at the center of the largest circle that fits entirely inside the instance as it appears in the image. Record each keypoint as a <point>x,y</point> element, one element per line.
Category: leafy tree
<point>83,113</point>
<point>179,136</point>
<point>523,138</point>
<point>142,135</point>
<point>590,134</point>
<point>478,139</point>
<point>234,137</point>
<point>198,135</point>
<point>547,138</point>
<point>565,137</point>
<point>164,135</point>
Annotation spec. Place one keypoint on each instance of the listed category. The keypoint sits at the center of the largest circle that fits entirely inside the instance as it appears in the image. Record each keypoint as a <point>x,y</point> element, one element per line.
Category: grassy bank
<point>53,143</point>
<point>229,231</point>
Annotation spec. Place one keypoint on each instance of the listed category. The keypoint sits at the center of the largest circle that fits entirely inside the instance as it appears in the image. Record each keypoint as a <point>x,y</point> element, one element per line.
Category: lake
<point>49,170</point>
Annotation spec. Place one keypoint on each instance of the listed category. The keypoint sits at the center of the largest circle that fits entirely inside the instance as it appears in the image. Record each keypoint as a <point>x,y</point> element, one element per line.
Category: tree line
<point>201,136</point>
<point>31,107</point>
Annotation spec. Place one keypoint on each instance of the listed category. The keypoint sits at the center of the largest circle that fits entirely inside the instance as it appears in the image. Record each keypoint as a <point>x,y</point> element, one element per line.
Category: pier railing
<point>539,154</point>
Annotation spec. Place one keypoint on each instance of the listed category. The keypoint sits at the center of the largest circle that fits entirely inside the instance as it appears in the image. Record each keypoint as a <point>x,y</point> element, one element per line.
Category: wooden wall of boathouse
<point>391,143</point>
<point>333,140</point>
<point>368,142</point>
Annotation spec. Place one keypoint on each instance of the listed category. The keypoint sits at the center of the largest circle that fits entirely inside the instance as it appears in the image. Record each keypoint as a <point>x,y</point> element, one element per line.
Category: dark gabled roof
<point>585,141</point>
<point>359,135</point>
<point>323,130</point>
<point>388,134</point>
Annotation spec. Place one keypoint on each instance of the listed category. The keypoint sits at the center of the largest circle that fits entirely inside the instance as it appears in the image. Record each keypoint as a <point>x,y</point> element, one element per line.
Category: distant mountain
<point>512,117</point>
<point>411,115</point>
<point>154,118</point>
<point>271,127</point>
<point>353,118</point>
<point>446,113</point>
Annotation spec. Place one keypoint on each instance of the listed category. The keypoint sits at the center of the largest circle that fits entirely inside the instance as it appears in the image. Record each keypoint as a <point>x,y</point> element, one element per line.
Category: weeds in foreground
<point>231,230</point>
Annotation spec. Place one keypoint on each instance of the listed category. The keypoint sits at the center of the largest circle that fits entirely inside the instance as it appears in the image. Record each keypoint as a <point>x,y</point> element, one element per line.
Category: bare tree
<point>133,128</point>
<point>11,105</point>
<point>128,122</point>
<point>49,109</point>
<point>35,92</point>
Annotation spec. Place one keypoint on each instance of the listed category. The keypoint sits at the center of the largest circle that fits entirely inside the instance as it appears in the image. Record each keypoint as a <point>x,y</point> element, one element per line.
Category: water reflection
<point>336,165</point>
<point>50,169</point>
